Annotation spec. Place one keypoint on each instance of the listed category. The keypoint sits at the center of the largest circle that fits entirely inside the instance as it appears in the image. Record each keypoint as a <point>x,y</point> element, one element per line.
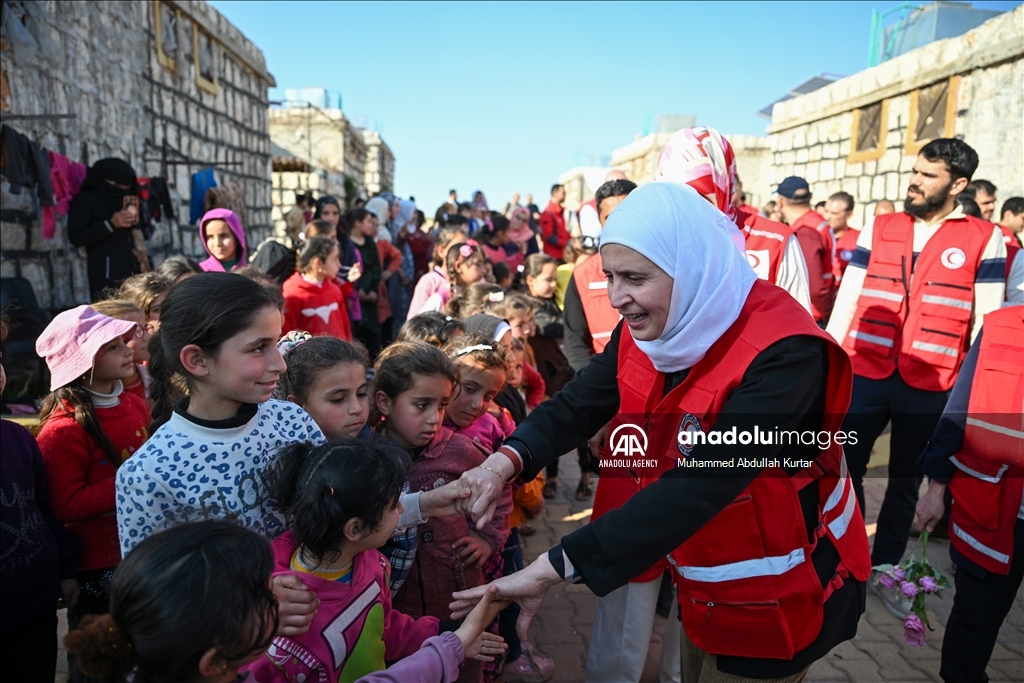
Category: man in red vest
<point>977,450</point>
<point>816,242</point>
<point>983,192</point>
<point>553,233</point>
<point>1011,223</point>
<point>916,288</point>
<point>838,210</point>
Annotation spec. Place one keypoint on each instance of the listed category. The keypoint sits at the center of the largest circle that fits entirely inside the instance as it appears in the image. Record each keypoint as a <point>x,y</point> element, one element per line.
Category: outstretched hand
<point>446,500</point>
<point>476,642</point>
<point>486,486</point>
<point>527,587</point>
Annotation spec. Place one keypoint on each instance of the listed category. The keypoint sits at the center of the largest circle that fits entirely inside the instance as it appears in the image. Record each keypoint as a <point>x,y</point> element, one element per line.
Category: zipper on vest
<point>948,334</point>
<point>882,277</point>
<point>879,322</point>
<point>946,284</point>
<point>710,605</point>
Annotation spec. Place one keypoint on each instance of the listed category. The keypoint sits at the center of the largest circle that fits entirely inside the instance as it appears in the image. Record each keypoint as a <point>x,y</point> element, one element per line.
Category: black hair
<point>322,487</point>
<point>534,265</point>
<point>1014,205</point>
<point>433,327</point>
<point>142,289</point>
<point>205,310</point>
<point>495,355</point>
<point>173,267</point>
<point>177,594</point>
<point>308,360</point>
<point>455,257</point>
<point>501,271</point>
<point>314,248</point>
<point>555,187</point>
<point>443,239</point>
<point>498,224</point>
<point>454,220</point>
<point>512,306</point>
<point>961,159</point>
<point>844,197</point>
<point>613,188</point>
<point>819,205</point>
<point>969,206</point>
<point>985,186</point>
<point>399,364</point>
<point>473,299</point>
<point>75,400</point>
<point>356,216</point>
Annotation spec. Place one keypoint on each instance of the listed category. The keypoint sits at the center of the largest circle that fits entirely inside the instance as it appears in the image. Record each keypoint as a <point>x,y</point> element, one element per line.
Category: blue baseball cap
<point>794,187</point>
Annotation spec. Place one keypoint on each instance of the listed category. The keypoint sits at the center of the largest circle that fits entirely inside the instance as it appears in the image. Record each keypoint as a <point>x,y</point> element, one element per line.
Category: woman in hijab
<point>329,209</point>
<point>520,234</point>
<point>766,538</point>
<point>703,159</point>
<point>99,221</point>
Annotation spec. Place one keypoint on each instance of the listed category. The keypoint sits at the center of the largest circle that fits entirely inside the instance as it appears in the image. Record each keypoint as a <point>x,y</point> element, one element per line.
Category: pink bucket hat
<point>70,342</point>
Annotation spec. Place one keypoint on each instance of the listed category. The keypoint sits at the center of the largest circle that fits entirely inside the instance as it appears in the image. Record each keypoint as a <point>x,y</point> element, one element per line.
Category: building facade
<point>862,134</point>
<point>179,90</point>
<point>380,163</point>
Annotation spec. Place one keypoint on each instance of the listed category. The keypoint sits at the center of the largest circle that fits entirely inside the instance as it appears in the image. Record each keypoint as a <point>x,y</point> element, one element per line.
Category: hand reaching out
<point>475,550</point>
<point>477,643</point>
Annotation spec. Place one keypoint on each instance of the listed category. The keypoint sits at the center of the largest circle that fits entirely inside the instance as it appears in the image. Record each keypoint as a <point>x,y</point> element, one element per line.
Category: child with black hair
<point>313,300</point>
<point>178,267</point>
<point>89,427</point>
<point>432,327</point>
<point>496,244</point>
<point>466,266</point>
<point>344,499</point>
<point>474,299</point>
<point>147,291</point>
<point>192,604</point>
<point>502,275</point>
<point>434,289</point>
<point>39,560</point>
<point>412,385</point>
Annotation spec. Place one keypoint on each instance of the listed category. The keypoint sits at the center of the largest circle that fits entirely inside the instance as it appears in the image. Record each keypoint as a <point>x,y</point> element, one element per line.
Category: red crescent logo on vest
<point>689,424</point>
<point>954,258</point>
<point>753,260</point>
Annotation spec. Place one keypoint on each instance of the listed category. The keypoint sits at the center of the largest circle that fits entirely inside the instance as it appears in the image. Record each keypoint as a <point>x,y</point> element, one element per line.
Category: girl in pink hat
<point>89,427</point>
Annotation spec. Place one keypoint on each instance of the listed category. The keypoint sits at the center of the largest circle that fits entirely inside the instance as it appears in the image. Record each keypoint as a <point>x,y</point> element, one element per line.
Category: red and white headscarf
<point>703,159</point>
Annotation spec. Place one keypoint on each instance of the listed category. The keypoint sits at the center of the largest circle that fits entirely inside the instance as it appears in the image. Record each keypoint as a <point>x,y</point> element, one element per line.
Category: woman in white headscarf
<point>772,572</point>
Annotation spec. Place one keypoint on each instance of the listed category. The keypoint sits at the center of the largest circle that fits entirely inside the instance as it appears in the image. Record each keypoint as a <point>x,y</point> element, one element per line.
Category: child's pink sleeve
<point>437,660</point>
<point>403,635</point>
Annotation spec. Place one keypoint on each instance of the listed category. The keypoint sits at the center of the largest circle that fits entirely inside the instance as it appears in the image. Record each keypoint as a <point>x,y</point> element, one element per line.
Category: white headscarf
<point>380,208</point>
<point>681,233</point>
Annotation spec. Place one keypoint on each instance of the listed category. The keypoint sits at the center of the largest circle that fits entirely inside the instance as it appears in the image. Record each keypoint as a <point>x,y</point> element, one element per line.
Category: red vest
<point>747,586</point>
<point>1012,247</point>
<point>592,286</point>
<point>846,244</point>
<point>766,244</point>
<point>987,487</point>
<point>917,317</point>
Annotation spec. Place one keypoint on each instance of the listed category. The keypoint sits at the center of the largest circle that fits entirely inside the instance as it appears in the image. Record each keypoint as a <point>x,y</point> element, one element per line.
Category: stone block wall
<point>810,136</point>
<point>98,61</point>
<point>380,164</point>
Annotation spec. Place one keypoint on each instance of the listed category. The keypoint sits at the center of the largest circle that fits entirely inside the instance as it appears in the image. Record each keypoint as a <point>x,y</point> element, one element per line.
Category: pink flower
<point>909,589</point>
<point>913,631</point>
<point>899,574</point>
<point>886,580</point>
<point>929,585</point>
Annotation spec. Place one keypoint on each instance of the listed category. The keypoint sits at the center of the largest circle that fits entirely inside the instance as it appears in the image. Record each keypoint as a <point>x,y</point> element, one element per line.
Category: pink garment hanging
<point>66,176</point>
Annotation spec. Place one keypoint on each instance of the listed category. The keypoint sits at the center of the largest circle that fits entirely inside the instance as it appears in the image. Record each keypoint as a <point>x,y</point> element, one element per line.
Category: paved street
<point>878,653</point>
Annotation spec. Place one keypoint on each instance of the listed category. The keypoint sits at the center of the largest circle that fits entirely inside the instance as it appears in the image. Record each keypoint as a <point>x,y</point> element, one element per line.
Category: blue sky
<point>504,97</point>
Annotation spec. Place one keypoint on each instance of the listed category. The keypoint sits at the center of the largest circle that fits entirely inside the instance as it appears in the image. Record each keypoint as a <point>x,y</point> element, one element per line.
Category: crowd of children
<point>295,449</point>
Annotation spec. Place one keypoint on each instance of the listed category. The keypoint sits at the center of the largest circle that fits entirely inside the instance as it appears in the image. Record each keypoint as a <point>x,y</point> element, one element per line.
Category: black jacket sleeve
<point>549,319</point>
<point>579,346</point>
<point>87,221</point>
<point>573,415</point>
<point>787,380</point>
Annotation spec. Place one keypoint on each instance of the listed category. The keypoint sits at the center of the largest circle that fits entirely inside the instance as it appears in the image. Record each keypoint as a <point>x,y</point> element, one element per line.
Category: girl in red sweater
<point>313,302</point>
<point>89,427</point>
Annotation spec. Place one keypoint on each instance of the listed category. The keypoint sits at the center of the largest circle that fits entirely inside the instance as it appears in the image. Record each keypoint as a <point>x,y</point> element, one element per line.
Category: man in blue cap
<point>815,238</point>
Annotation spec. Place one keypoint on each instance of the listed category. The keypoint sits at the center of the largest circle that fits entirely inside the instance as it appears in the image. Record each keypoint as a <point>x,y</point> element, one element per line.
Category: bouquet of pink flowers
<point>912,580</point>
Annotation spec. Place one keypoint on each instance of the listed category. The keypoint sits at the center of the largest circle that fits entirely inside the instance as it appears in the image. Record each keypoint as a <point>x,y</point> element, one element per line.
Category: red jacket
<point>766,244</point>
<point>756,594</point>
<point>916,315</point>
<point>553,234</point>
<point>592,286</point>
<point>846,244</point>
<point>987,486</point>
<point>317,309</point>
<point>1012,247</point>
<point>81,477</point>
<point>817,245</point>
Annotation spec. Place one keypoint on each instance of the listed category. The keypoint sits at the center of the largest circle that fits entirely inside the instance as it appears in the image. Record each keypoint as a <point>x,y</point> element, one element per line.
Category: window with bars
<point>166,32</point>
<point>932,114</point>
<point>870,125</point>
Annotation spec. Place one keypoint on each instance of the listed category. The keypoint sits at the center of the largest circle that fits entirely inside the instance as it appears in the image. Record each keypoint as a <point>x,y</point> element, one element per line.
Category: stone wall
<point>99,62</point>
<point>380,164</point>
<point>811,136</point>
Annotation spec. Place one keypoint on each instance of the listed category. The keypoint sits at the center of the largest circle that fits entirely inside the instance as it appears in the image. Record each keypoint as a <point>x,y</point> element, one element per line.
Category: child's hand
<point>475,551</point>
<point>477,643</point>
<point>355,272</point>
<point>296,605</point>
<point>69,592</point>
